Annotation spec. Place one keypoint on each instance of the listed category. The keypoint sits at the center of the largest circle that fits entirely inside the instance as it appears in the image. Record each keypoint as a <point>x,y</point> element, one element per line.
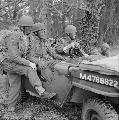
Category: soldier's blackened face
<point>41,34</point>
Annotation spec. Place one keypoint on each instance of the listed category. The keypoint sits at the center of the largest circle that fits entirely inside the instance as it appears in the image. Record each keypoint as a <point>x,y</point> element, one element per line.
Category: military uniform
<point>62,42</point>
<point>43,55</point>
<point>39,51</point>
<point>51,51</point>
<point>15,64</point>
<point>36,50</point>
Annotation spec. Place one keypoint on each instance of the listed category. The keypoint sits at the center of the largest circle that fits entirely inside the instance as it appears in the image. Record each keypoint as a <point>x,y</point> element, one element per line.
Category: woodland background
<point>96,20</point>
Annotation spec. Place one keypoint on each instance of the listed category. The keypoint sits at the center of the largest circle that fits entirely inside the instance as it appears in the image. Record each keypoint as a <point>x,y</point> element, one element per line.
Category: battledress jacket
<point>17,48</point>
<point>62,42</point>
<point>38,50</point>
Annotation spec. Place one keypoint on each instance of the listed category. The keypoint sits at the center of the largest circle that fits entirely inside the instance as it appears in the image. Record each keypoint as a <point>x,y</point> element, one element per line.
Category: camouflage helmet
<point>37,27</point>
<point>26,21</point>
<point>70,29</point>
<point>105,45</point>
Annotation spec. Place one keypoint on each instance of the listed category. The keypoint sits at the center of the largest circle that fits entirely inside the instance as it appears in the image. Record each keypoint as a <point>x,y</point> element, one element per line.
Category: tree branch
<point>1,7</point>
<point>3,15</point>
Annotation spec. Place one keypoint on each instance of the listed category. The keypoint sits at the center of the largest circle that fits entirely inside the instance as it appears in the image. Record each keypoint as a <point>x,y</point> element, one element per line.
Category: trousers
<point>15,71</point>
<point>47,73</point>
<point>14,89</point>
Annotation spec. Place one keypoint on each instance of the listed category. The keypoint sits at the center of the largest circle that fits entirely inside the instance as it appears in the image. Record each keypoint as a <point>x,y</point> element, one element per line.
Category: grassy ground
<point>37,109</point>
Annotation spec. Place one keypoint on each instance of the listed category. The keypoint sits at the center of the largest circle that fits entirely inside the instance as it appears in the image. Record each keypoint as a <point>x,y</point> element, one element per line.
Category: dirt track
<point>38,109</point>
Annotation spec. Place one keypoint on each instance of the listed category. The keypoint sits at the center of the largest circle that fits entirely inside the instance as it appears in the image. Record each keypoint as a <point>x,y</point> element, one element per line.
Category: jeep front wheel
<point>96,109</point>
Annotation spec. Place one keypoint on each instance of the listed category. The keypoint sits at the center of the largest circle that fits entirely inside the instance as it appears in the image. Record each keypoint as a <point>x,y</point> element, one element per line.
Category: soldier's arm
<point>61,49</point>
<point>13,51</point>
<point>81,50</point>
<point>86,55</point>
<point>34,59</point>
<point>53,54</point>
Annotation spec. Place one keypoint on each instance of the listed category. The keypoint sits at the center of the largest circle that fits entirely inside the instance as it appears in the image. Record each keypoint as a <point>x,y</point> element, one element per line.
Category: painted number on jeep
<point>97,79</point>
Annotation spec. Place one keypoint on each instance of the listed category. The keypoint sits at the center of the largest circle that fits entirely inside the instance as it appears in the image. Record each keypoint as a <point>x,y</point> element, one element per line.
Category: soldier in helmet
<point>40,52</point>
<point>64,46</point>
<point>34,50</point>
<point>15,62</point>
<point>44,47</point>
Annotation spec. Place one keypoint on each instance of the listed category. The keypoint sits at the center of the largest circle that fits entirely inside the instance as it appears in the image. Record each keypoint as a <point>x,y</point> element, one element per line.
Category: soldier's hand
<point>33,65</point>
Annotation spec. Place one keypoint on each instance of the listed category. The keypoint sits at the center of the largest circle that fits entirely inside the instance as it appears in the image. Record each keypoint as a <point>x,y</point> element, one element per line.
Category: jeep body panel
<point>60,84</point>
<point>82,82</point>
<point>96,82</point>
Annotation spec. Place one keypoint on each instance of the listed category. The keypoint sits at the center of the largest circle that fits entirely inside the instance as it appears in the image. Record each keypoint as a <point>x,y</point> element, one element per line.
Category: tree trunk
<point>45,17</point>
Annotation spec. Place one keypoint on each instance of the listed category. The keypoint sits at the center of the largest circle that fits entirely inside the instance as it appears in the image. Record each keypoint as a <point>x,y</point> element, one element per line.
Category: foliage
<point>89,24</point>
<point>96,20</point>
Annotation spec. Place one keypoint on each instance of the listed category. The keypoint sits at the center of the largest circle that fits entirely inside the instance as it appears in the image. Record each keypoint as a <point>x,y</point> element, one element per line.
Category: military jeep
<point>93,86</point>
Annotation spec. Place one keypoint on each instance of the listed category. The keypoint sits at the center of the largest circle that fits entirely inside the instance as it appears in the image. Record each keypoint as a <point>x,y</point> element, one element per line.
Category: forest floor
<point>38,109</point>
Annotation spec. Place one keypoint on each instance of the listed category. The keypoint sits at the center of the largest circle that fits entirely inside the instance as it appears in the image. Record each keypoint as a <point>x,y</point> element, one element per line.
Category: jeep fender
<point>79,95</point>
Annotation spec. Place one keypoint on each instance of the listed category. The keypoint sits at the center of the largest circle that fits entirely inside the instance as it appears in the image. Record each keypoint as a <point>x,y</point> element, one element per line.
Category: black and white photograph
<point>59,59</point>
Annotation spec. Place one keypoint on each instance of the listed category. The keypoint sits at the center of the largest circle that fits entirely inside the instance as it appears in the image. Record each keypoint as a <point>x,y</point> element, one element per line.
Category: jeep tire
<point>96,109</point>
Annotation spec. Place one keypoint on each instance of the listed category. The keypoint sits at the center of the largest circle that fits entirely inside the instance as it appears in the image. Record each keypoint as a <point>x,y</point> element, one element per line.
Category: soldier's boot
<point>47,95</point>
<point>44,94</point>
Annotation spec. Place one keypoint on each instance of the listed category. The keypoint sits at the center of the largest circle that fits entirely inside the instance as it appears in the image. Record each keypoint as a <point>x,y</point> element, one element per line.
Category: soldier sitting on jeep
<point>43,48</point>
<point>15,63</point>
<point>41,52</point>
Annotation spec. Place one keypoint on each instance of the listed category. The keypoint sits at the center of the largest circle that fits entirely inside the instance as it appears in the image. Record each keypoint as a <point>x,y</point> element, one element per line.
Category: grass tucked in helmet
<point>26,21</point>
<point>70,29</point>
<point>37,27</point>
